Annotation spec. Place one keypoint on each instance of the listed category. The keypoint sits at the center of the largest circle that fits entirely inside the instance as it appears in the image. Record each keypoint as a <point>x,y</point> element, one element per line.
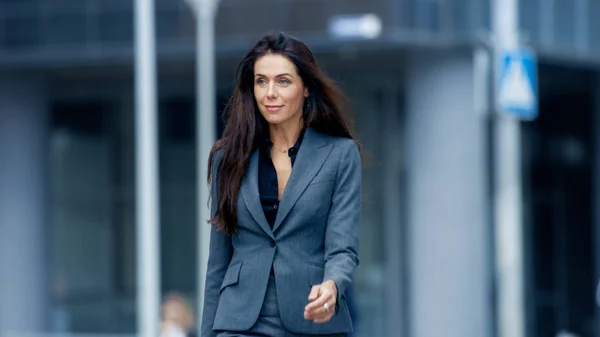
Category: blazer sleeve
<point>341,235</point>
<point>220,252</point>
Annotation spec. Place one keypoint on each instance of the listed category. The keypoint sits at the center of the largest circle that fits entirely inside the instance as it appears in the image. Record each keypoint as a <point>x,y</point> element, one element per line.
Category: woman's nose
<point>271,91</point>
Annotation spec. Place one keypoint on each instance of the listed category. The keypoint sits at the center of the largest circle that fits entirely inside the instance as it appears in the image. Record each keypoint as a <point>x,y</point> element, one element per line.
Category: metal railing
<point>561,25</point>
<point>98,28</point>
<point>39,29</point>
<point>86,24</point>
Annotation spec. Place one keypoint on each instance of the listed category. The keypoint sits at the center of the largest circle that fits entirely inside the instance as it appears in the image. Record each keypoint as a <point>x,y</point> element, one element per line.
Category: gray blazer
<point>314,239</point>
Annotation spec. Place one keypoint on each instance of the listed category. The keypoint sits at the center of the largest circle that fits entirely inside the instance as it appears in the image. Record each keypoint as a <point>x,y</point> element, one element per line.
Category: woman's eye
<point>261,81</point>
<point>284,81</point>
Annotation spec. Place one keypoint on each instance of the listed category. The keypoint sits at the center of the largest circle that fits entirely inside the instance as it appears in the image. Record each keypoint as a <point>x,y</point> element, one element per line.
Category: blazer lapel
<point>251,196</point>
<point>309,160</point>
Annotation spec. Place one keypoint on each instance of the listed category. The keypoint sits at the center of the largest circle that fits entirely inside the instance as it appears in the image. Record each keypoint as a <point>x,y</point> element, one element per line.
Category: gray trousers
<point>268,323</point>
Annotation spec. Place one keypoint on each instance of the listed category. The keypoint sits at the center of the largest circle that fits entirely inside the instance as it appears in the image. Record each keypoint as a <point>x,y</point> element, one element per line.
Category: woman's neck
<point>285,135</point>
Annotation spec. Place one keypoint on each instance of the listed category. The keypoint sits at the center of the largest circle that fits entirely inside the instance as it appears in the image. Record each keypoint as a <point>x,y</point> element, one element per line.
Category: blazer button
<point>272,243</point>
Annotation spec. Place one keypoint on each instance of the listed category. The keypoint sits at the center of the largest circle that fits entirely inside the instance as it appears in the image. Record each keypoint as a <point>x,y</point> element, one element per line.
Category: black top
<point>267,178</point>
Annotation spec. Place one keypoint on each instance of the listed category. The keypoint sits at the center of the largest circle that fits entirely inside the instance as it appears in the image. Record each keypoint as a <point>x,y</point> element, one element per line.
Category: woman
<point>286,191</point>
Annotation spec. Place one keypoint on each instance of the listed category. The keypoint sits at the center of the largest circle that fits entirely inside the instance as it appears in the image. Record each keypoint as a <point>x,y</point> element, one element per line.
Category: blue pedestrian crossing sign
<point>517,92</point>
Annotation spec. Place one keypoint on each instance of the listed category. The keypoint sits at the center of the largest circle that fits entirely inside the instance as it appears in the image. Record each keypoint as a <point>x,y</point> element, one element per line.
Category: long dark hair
<point>325,110</point>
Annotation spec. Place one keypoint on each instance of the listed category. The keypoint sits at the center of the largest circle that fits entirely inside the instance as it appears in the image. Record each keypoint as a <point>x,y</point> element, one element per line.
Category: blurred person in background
<point>177,317</point>
<point>286,201</point>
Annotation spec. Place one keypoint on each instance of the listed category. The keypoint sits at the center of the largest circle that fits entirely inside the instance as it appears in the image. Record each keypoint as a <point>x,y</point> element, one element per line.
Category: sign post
<point>516,100</point>
<point>146,165</point>
<point>206,11</point>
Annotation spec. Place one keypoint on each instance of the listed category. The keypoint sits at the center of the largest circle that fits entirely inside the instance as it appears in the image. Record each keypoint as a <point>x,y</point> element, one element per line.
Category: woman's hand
<point>322,298</point>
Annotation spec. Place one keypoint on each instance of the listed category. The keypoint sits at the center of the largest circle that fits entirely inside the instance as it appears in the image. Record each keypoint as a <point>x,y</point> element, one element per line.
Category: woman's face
<point>278,89</point>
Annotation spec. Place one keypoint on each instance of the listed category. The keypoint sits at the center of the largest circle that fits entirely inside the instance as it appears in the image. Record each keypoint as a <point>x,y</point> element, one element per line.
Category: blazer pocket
<point>232,276</point>
<point>315,274</point>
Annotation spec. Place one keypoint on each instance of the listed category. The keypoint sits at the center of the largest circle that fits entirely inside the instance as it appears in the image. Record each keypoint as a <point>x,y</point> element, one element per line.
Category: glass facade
<point>93,219</point>
<point>559,172</point>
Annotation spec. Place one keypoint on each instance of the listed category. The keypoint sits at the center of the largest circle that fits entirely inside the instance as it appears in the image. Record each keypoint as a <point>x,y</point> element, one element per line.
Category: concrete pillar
<point>447,207</point>
<point>23,219</point>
